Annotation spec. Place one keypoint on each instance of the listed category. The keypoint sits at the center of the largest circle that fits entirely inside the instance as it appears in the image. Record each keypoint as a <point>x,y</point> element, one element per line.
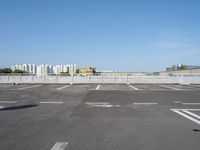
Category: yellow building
<point>87,71</point>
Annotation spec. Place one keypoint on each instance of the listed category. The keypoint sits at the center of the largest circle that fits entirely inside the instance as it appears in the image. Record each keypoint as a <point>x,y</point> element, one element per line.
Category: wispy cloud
<point>175,40</point>
<point>170,45</point>
<point>176,55</point>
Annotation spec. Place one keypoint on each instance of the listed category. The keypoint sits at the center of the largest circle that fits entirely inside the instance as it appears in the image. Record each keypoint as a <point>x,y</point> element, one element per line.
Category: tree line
<point>8,70</point>
<point>179,67</point>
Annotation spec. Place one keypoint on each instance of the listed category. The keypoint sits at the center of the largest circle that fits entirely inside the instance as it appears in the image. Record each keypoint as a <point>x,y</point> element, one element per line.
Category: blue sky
<point>124,35</point>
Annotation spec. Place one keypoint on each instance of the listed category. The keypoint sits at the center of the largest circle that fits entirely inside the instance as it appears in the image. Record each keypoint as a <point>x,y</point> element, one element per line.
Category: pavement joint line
<point>97,88</point>
<point>29,87</point>
<point>59,146</point>
<point>192,114</point>
<point>51,102</point>
<point>169,87</point>
<point>178,111</point>
<point>8,101</point>
<point>5,85</point>
<point>145,103</point>
<point>63,87</point>
<point>133,87</point>
<point>191,103</point>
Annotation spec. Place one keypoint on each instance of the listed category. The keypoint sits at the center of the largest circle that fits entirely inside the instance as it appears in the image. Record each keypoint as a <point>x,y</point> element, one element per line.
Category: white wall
<point>100,79</point>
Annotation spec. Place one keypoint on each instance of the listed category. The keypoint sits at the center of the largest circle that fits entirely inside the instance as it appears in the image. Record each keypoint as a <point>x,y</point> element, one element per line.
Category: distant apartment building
<point>72,69</point>
<point>60,68</point>
<point>29,68</point>
<point>44,70</point>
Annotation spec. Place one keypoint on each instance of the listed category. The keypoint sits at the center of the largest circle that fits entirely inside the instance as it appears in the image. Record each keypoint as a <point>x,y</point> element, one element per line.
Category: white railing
<point>101,79</point>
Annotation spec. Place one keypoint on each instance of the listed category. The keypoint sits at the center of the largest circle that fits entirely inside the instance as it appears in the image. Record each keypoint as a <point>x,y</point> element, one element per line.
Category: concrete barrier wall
<point>101,79</point>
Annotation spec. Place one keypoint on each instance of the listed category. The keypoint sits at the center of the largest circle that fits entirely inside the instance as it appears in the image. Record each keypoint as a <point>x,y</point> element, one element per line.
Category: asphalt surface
<point>99,117</point>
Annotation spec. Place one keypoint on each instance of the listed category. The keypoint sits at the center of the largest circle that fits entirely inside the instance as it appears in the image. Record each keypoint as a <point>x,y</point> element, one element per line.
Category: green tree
<point>64,74</point>
<point>183,67</point>
<point>174,67</point>
<point>6,70</point>
<point>18,71</point>
<point>77,71</point>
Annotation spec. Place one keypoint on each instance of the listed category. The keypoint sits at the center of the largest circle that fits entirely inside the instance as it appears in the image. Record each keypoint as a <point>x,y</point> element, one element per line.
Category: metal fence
<point>101,79</point>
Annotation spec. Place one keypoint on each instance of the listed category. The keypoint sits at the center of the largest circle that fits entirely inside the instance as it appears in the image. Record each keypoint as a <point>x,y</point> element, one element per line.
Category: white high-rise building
<point>60,68</point>
<point>72,69</point>
<point>29,68</point>
<point>33,69</point>
<point>44,70</point>
<point>18,67</point>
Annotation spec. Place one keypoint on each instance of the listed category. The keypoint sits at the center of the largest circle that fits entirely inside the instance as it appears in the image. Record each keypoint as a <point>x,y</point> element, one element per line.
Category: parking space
<point>11,86</point>
<point>148,86</point>
<point>181,87</point>
<point>190,114</point>
<point>114,87</point>
<point>83,87</point>
<point>19,86</point>
<point>99,116</point>
<point>142,115</point>
<point>5,85</point>
<point>50,87</point>
<point>195,85</point>
<point>197,112</point>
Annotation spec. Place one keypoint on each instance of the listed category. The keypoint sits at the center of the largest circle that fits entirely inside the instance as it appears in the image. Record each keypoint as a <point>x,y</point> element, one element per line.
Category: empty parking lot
<point>99,117</point>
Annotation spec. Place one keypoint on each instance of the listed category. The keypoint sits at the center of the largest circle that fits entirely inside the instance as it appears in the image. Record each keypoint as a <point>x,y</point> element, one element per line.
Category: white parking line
<point>1,107</point>
<point>145,103</point>
<point>191,103</point>
<point>133,87</point>
<point>59,146</point>
<point>63,87</point>
<point>178,111</point>
<point>8,101</point>
<point>177,102</point>
<point>99,104</point>
<point>168,87</point>
<point>51,102</point>
<point>97,88</point>
<point>29,87</point>
<point>192,114</point>
<point>189,109</point>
